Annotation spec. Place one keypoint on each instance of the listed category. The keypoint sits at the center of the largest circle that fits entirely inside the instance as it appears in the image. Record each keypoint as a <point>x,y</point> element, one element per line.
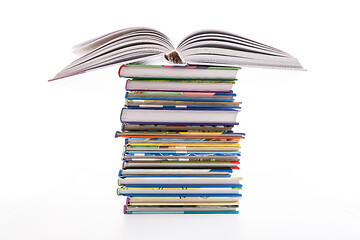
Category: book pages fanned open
<point>149,46</point>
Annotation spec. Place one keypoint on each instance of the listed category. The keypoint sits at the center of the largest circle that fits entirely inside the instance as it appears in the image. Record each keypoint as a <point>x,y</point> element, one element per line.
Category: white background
<point>59,159</point>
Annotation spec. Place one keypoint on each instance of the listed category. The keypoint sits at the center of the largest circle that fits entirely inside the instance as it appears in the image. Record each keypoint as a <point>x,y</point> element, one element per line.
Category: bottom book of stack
<point>184,205</point>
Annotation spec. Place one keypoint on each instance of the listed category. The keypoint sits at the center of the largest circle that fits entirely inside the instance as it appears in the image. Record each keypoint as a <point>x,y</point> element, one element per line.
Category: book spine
<point>120,70</point>
<point>126,85</point>
<point>121,115</point>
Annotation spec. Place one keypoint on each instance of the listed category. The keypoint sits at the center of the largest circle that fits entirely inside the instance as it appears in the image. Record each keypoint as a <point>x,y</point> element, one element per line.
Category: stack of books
<point>180,149</point>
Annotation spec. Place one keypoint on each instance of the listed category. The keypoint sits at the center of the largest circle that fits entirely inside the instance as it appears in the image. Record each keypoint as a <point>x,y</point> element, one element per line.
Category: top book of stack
<point>205,47</point>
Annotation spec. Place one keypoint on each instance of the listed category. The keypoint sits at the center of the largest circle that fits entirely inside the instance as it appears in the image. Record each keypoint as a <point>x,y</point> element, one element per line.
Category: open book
<point>204,47</point>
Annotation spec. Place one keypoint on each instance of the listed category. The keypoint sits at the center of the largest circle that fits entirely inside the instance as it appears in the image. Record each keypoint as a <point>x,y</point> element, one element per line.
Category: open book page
<point>204,35</point>
<point>225,49</point>
<point>88,46</point>
<point>123,46</point>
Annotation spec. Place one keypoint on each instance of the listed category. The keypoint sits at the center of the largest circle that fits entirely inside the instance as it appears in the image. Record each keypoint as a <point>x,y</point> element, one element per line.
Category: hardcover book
<point>201,48</point>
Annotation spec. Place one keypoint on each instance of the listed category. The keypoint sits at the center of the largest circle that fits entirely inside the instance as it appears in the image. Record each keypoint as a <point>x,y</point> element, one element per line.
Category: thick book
<point>175,73</point>
<point>165,172</point>
<point>178,190</point>
<point>171,116</point>
<point>179,181</point>
<point>170,209</point>
<point>204,47</point>
<point>160,127</point>
<point>178,86</point>
<point>215,200</point>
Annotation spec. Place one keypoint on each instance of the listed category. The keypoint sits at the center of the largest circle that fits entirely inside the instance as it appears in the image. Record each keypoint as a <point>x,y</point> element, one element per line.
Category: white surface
<point>59,160</point>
